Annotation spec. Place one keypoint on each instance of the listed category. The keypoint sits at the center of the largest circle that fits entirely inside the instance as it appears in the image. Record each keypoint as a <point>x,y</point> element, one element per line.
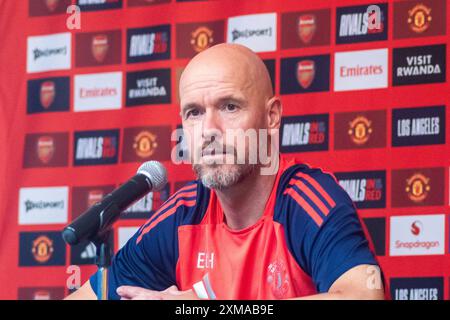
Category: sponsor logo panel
<point>48,95</point>
<point>257,32</point>
<point>419,18</point>
<point>304,133</point>
<point>193,38</point>
<point>49,52</point>
<point>417,288</point>
<point>41,249</point>
<point>358,70</point>
<point>305,29</point>
<point>417,235</point>
<point>96,147</point>
<point>367,189</point>
<point>98,48</point>
<point>418,126</point>
<point>46,150</point>
<point>47,205</point>
<point>305,74</point>
<point>419,65</point>
<point>355,24</point>
<point>417,187</point>
<point>146,143</point>
<point>359,130</point>
<point>148,44</point>
<point>98,91</point>
<point>148,87</point>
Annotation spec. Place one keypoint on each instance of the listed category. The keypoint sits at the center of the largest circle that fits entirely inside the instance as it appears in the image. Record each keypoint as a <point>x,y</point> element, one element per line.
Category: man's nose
<point>211,126</point>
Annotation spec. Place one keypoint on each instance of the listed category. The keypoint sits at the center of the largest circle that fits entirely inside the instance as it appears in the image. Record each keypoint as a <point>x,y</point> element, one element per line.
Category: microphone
<point>98,219</point>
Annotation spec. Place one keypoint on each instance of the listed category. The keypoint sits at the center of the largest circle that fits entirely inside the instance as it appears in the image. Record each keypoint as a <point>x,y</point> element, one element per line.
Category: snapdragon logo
<point>417,235</point>
<point>235,146</point>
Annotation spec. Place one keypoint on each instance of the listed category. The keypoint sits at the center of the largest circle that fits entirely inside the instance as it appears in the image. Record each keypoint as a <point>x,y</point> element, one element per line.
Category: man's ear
<point>274,113</point>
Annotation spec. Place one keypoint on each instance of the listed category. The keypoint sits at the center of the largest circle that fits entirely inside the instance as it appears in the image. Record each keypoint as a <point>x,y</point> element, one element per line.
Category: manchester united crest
<point>278,279</point>
<point>419,18</point>
<point>145,144</point>
<point>42,249</point>
<point>100,47</point>
<point>360,130</point>
<point>306,71</point>
<point>202,38</point>
<point>45,149</point>
<point>418,187</point>
<point>306,27</point>
<point>47,94</point>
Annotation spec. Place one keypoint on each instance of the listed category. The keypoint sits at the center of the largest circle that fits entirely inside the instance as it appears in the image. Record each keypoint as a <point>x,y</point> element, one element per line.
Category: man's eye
<point>192,113</point>
<point>230,107</point>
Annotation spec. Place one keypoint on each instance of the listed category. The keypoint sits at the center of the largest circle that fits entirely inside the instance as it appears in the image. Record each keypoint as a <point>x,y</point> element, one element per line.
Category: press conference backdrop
<point>82,108</point>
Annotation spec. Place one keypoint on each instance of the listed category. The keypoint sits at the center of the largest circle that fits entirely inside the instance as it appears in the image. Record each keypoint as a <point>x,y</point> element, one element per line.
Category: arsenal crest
<point>47,94</point>
<point>306,71</point>
<point>45,149</point>
<point>51,4</point>
<point>100,47</point>
<point>306,27</point>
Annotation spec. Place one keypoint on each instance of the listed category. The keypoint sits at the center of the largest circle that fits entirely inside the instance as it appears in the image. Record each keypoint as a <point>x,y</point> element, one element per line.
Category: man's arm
<point>84,293</point>
<point>362,282</point>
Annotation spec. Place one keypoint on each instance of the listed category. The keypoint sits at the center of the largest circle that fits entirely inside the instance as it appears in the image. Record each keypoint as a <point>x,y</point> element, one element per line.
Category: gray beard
<point>220,177</point>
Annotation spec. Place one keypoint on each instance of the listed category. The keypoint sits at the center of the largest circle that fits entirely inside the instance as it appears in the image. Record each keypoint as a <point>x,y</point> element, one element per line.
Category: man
<point>240,232</point>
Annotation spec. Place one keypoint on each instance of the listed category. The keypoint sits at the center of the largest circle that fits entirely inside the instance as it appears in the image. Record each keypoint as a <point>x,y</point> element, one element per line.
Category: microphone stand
<point>103,262</point>
<point>103,248</point>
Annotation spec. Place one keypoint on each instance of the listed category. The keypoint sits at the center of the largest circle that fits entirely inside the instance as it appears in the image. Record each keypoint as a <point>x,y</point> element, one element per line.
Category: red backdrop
<point>352,125</point>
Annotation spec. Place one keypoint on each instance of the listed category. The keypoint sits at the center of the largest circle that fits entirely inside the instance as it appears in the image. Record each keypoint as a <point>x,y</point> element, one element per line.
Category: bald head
<point>229,62</point>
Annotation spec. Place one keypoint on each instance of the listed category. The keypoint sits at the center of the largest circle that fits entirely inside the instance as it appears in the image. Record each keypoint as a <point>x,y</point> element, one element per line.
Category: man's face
<point>213,105</point>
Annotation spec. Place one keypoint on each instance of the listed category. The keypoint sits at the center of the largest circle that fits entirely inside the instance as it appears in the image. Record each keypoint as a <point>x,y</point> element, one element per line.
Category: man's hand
<point>171,293</point>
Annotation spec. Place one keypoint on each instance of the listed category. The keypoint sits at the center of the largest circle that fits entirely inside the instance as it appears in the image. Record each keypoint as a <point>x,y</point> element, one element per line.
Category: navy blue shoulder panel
<point>323,231</point>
